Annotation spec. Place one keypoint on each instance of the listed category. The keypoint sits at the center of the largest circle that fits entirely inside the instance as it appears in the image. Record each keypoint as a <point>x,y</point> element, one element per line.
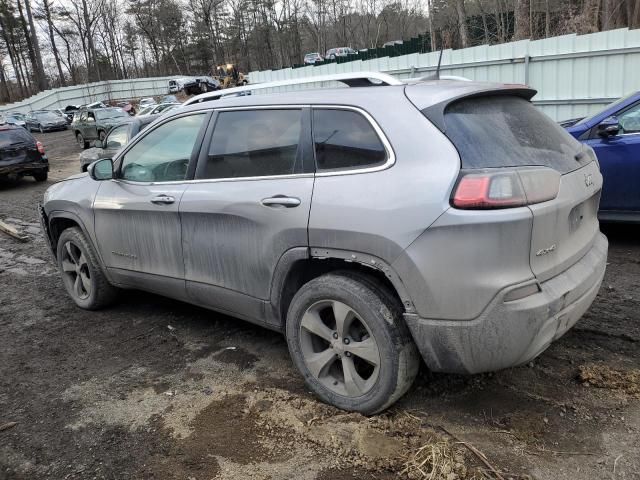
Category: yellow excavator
<point>229,76</point>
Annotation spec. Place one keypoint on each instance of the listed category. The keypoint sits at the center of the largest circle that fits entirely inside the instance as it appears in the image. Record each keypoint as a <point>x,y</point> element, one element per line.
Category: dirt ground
<point>154,388</point>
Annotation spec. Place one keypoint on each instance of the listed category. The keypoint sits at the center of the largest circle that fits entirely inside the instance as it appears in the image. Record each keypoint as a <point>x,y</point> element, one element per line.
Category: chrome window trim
<point>390,161</point>
<point>391,157</point>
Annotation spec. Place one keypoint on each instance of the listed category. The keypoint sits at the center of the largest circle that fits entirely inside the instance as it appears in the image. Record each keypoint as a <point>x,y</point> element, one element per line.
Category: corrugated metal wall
<point>92,92</point>
<point>574,74</point>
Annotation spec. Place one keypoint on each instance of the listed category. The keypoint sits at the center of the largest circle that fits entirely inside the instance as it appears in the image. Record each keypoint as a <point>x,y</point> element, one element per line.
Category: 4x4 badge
<point>588,179</point>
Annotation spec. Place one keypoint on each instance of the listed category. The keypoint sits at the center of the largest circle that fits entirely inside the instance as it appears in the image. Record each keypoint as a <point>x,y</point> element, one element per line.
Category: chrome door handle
<point>281,201</point>
<point>163,200</point>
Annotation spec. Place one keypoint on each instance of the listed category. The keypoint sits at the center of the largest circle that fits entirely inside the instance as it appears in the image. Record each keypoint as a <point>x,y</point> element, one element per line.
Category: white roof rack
<point>353,79</point>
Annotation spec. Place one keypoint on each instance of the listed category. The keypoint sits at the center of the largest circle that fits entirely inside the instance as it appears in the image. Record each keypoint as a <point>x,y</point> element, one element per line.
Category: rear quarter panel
<point>382,213</point>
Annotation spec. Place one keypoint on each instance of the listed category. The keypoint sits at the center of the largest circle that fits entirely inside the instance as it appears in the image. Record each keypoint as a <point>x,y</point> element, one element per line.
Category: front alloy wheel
<point>77,275</point>
<point>339,349</point>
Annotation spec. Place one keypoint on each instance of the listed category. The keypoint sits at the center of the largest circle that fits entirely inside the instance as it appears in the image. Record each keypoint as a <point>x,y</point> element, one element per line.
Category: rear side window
<point>344,139</point>
<point>255,143</point>
<point>15,137</point>
<point>508,131</point>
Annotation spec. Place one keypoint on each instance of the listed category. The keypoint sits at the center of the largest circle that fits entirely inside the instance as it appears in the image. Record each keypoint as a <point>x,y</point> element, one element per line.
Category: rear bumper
<point>511,333</point>
<point>26,168</point>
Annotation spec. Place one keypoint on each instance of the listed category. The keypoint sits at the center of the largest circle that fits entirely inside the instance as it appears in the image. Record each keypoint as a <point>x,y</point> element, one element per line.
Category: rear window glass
<point>16,136</point>
<point>345,139</point>
<point>508,131</point>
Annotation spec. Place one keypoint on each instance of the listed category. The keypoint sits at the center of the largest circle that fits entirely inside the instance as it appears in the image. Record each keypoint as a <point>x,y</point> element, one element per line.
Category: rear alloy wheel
<point>81,274</point>
<point>347,337</point>
<point>82,143</point>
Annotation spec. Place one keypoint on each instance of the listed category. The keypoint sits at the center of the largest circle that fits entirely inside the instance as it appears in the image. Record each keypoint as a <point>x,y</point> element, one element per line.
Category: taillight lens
<point>505,188</point>
<point>40,147</point>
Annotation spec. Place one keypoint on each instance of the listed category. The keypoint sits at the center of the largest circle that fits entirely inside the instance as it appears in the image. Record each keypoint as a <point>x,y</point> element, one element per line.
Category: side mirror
<point>101,169</point>
<point>609,127</point>
<point>98,144</point>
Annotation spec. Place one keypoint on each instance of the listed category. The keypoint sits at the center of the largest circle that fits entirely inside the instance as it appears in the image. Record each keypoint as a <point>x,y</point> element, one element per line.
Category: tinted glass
<point>19,136</point>
<point>254,143</point>
<point>164,153</point>
<point>118,137</point>
<point>508,131</point>
<point>345,139</point>
<point>630,120</point>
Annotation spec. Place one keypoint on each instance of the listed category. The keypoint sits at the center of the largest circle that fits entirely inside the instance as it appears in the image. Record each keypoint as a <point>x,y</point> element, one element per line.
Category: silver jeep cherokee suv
<point>444,219</point>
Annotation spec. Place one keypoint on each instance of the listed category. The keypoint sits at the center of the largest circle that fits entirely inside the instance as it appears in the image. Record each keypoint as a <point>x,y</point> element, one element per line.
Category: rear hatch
<point>501,131</point>
<point>17,146</point>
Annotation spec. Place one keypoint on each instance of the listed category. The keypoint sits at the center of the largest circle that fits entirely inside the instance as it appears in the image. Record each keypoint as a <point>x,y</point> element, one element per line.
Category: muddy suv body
<point>368,224</point>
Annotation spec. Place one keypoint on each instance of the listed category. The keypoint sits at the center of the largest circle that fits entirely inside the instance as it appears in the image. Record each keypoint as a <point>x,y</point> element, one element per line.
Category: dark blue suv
<point>614,134</point>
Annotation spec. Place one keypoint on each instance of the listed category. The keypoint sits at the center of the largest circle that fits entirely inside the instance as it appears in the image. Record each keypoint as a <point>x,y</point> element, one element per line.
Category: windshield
<point>14,137</point>
<point>107,114</point>
<point>17,116</point>
<point>47,116</point>
<point>607,107</point>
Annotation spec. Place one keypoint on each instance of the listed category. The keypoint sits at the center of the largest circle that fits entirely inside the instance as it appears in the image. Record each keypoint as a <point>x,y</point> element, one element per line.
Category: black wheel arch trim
<point>370,261</point>
<point>287,261</point>
<point>63,214</point>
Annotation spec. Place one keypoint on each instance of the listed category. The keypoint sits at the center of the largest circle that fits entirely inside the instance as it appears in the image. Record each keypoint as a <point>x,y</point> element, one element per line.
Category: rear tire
<point>82,143</point>
<point>347,337</point>
<point>81,274</point>
<point>41,176</point>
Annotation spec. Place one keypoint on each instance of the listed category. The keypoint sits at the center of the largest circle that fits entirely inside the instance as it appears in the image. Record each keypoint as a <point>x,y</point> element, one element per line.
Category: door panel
<point>619,159</point>
<point>136,234</point>
<point>232,240</point>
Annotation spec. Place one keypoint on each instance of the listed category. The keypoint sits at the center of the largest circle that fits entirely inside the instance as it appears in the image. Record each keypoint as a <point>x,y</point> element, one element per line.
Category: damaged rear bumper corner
<point>510,333</point>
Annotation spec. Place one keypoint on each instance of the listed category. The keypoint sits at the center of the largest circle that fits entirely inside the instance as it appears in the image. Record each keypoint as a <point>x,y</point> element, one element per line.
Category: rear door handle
<point>163,200</point>
<point>281,201</point>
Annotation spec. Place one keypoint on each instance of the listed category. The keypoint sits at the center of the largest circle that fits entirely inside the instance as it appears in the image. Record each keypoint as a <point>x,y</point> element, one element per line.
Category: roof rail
<point>352,79</point>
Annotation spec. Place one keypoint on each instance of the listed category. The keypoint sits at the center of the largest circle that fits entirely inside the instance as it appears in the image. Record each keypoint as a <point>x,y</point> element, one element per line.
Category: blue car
<point>614,134</point>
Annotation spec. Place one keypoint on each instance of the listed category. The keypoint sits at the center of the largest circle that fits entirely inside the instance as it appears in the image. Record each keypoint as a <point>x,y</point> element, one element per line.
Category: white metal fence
<point>575,75</point>
<point>92,92</point>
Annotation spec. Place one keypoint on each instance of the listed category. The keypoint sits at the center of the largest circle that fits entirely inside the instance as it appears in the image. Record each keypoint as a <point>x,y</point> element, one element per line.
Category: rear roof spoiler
<point>435,112</point>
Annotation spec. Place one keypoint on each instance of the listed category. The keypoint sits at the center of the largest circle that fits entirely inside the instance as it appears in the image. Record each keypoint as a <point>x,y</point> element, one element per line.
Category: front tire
<point>81,274</point>
<point>82,143</point>
<point>347,337</point>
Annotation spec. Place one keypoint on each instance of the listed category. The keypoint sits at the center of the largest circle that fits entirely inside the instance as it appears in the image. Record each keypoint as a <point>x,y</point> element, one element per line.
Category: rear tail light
<point>505,188</point>
<point>40,147</point>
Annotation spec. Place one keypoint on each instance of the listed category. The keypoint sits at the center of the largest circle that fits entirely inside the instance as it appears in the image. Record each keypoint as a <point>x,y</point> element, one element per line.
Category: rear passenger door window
<point>254,143</point>
<point>345,140</point>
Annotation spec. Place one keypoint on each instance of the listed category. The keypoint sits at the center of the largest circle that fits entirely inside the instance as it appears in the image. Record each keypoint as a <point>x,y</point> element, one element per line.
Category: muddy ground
<point>155,388</point>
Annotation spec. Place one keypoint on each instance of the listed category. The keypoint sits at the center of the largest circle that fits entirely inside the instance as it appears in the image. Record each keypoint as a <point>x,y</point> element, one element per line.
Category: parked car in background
<point>45,121</point>
<point>311,58</point>
<point>157,109</point>
<point>169,99</point>
<point>450,219</point>
<point>145,102</point>
<point>91,124</point>
<point>116,138</point>
<point>202,84</point>
<point>332,53</point>
<point>614,134</point>
<point>21,154</point>
<point>392,43</point>
<point>63,113</point>
<point>97,104</point>
<point>15,118</point>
